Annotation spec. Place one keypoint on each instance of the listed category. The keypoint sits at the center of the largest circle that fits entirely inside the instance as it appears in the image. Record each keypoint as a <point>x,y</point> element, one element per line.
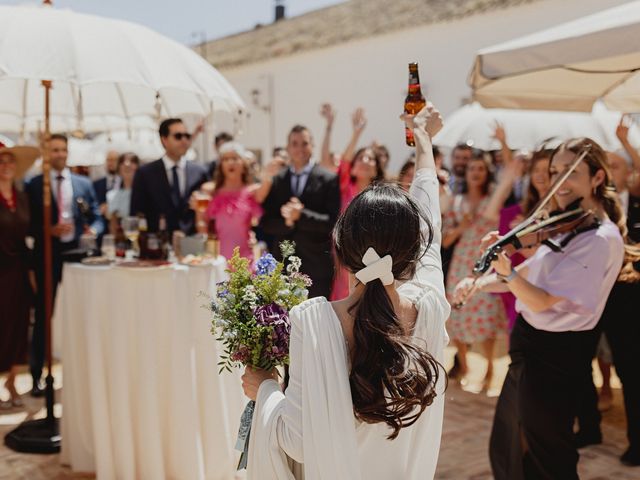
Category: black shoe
<point>37,391</point>
<point>630,458</point>
<point>585,439</point>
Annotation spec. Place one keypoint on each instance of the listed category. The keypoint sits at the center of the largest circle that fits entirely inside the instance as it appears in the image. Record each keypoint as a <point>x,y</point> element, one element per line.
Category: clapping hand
<point>291,211</point>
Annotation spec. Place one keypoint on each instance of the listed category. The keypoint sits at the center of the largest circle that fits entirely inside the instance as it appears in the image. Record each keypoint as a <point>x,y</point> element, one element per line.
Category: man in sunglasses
<point>163,187</point>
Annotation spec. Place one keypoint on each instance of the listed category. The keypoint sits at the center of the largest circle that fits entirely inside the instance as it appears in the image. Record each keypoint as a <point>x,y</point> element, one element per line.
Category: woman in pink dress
<point>235,204</point>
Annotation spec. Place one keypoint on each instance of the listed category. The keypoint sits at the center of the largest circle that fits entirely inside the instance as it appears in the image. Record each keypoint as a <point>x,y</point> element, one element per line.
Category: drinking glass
<point>109,246</point>
<point>130,228</point>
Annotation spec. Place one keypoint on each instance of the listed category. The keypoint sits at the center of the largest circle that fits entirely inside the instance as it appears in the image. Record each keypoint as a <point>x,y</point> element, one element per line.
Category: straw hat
<point>25,157</point>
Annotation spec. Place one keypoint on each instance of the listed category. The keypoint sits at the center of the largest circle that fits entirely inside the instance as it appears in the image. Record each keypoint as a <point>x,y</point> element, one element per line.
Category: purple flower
<point>266,264</point>
<point>277,343</point>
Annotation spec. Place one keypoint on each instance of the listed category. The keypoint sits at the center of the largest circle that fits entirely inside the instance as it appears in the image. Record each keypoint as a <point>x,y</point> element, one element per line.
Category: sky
<point>187,21</point>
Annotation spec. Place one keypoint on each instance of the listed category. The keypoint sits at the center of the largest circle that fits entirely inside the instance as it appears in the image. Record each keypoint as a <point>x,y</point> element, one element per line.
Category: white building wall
<point>372,73</point>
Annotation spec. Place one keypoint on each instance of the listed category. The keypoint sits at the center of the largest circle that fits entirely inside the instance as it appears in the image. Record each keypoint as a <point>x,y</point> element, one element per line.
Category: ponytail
<point>392,380</point>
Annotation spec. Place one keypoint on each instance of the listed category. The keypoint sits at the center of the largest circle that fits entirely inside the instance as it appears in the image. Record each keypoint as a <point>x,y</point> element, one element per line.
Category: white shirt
<point>113,181</point>
<point>582,274</point>
<point>301,179</point>
<point>65,205</point>
<point>182,172</point>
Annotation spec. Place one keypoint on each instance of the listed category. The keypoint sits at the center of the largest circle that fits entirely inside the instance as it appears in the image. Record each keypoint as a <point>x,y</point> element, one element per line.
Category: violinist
<point>561,292</point>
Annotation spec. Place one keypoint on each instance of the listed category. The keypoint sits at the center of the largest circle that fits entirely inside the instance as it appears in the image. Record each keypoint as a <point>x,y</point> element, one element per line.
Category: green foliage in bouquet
<point>251,310</point>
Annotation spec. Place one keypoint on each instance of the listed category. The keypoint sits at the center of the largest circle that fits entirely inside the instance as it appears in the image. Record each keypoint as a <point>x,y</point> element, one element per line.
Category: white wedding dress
<point>310,431</point>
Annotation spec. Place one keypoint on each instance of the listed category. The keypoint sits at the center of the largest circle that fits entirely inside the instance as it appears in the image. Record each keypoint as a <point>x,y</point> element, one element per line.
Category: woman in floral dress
<point>474,213</point>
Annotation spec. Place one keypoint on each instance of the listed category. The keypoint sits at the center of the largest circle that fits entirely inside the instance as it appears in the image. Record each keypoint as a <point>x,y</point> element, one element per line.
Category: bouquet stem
<point>242,442</point>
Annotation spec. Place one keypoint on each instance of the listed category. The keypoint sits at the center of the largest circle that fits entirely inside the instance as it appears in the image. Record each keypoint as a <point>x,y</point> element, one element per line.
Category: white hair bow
<point>376,267</point>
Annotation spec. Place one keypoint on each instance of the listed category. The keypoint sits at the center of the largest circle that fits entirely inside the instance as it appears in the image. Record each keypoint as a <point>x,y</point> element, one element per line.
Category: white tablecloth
<point>142,398</point>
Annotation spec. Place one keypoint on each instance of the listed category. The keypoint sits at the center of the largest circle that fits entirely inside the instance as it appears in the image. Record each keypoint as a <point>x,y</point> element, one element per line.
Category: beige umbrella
<point>567,67</point>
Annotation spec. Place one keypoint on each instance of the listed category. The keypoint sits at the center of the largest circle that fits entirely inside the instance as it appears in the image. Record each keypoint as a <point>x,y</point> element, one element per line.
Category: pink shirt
<point>233,212</point>
<point>582,274</point>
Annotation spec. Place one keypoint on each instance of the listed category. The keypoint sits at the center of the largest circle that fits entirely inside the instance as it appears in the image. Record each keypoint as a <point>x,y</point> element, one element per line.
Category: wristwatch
<point>507,278</point>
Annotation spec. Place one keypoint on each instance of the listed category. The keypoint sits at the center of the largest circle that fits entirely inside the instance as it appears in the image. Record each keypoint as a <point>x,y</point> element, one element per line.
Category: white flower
<point>294,264</point>
<point>250,297</point>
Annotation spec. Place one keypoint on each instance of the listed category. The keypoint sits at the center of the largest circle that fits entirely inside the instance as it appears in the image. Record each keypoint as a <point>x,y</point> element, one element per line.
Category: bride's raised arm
<point>425,190</point>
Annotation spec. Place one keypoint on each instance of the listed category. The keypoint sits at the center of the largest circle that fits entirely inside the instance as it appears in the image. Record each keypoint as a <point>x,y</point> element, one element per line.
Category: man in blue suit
<point>163,187</point>
<point>74,211</point>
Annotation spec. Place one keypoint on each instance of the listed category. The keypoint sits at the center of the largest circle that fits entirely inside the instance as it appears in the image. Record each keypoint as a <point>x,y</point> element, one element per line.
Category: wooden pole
<point>48,256</point>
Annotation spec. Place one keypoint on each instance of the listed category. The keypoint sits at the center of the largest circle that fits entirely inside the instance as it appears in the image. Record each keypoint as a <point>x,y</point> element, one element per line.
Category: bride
<point>366,392</point>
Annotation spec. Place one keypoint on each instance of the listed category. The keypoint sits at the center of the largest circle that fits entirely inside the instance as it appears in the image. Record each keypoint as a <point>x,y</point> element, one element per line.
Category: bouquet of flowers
<point>251,317</point>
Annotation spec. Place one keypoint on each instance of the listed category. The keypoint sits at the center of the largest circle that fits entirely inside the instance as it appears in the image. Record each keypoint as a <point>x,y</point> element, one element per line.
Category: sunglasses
<point>180,136</point>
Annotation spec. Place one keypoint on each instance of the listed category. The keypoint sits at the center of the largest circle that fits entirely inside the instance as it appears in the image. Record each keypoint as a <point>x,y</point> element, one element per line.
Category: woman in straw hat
<point>15,291</point>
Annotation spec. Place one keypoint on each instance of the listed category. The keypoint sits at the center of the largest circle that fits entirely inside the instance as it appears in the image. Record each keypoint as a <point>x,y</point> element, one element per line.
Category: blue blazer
<point>82,189</point>
<point>151,196</point>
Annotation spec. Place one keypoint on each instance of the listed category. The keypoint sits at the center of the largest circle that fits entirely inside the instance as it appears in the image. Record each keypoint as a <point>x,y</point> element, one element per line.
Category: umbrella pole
<point>42,436</point>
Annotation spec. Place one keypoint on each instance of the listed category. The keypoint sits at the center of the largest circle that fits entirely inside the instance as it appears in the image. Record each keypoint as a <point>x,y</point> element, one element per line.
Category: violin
<point>536,229</point>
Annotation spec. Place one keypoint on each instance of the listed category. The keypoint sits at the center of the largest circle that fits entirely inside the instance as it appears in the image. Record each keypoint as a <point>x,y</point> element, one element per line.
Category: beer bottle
<point>121,241</point>
<point>414,102</point>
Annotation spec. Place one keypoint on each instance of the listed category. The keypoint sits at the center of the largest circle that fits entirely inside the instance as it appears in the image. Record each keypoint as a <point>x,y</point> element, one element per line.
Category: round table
<point>142,397</point>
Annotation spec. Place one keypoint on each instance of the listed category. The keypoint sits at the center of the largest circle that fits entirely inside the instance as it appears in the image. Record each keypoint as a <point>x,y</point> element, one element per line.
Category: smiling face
<point>477,174</point>
<point>365,166</point>
<point>540,176</point>
<point>580,183</point>
<point>460,158</point>
<point>300,148</point>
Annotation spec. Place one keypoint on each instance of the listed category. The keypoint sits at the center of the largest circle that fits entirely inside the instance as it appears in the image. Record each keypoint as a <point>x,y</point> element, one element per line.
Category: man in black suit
<point>302,206</point>
<point>163,187</point>
<point>74,211</point>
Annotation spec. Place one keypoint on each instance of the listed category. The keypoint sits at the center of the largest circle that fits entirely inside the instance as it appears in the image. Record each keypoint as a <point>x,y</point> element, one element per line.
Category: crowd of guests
<point>296,195</point>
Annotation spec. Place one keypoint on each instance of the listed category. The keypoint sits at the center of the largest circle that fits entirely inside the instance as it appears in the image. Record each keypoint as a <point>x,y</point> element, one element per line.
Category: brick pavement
<point>463,453</point>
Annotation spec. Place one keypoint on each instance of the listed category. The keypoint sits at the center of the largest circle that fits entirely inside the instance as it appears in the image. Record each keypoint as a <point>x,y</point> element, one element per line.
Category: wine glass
<point>130,228</point>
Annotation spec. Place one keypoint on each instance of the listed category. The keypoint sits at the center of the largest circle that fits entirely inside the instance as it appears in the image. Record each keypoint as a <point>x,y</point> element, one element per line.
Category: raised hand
<point>328,113</point>
<point>622,130</point>
<point>427,120</point>
<point>499,133</point>
<point>358,120</point>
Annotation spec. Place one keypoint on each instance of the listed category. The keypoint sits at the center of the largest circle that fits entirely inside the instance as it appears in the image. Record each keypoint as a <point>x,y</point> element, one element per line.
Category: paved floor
<point>463,454</point>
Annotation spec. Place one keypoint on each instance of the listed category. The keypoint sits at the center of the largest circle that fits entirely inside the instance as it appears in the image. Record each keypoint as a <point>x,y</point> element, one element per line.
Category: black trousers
<point>38,347</point>
<point>532,435</point>
<point>621,326</point>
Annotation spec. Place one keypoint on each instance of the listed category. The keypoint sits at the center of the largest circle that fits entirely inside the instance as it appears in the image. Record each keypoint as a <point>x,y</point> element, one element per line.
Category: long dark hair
<point>392,379</point>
